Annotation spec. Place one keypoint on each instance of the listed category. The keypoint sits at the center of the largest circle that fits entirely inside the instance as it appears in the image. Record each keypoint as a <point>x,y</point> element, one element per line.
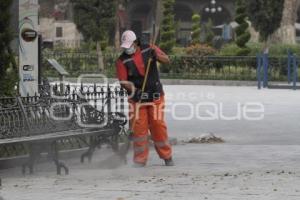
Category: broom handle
<point>146,77</point>
<point>143,90</point>
<point>149,61</point>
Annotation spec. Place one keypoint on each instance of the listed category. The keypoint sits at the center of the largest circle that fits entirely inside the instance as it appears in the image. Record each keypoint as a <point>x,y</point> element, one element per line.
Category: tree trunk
<point>13,61</point>
<point>117,25</point>
<point>254,34</point>
<point>117,33</point>
<point>287,33</point>
<point>158,18</point>
<point>100,57</point>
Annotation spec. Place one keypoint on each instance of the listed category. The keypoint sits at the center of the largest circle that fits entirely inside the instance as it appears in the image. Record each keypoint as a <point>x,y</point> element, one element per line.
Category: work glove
<point>140,96</point>
<point>137,95</point>
<point>153,54</point>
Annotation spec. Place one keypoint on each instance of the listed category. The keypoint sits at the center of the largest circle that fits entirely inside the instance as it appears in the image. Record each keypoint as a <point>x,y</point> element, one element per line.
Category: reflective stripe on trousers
<point>161,144</point>
<point>149,117</point>
<point>140,139</point>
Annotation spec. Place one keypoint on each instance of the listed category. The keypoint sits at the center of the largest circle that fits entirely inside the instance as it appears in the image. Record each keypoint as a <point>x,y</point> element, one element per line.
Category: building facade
<point>141,15</point>
<point>56,24</point>
<point>60,33</point>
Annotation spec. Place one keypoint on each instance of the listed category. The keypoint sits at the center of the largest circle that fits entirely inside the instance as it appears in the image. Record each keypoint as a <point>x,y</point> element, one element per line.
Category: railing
<point>77,63</point>
<point>265,71</point>
<point>212,67</point>
<point>181,67</point>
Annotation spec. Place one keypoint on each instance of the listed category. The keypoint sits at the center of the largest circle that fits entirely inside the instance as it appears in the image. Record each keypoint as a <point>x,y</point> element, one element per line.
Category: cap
<point>128,37</point>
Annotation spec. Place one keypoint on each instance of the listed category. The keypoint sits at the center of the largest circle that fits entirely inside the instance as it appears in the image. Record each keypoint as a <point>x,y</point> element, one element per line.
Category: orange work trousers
<point>145,117</point>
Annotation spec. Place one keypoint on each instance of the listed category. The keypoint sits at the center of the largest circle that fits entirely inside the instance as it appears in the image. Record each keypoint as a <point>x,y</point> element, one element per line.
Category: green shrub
<point>282,49</point>
<point>168,27</point>
<point>179,51</point>
<point>275,50</point>
<point>232,49</point>
<point>228,50</point>
<point>209,34</point>
<point>200,50</point>
<point>242,32</point>
<point>196,29</point>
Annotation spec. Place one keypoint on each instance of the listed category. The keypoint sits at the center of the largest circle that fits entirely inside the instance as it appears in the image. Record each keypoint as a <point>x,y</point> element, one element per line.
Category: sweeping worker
<point>146,97</point>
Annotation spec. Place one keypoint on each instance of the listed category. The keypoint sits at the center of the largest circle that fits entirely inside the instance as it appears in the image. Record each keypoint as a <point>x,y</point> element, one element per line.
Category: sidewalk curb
<point>174,82</point>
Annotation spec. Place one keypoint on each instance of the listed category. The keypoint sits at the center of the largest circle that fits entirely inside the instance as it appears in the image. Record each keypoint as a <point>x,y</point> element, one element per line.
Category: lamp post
<point>213,7</point>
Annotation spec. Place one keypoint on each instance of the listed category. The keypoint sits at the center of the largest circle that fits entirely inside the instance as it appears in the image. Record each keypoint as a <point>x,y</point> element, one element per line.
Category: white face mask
<point>130,50</point>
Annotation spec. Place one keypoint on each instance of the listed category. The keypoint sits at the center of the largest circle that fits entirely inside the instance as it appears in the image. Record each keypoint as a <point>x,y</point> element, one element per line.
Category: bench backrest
<point>79,109</point>
<point>35,119</point>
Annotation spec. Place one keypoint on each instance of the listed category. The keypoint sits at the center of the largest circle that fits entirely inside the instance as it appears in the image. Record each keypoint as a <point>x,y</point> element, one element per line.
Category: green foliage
<point>179,51</point>
<point>282,49</point>
<point>168,27</point>
<point>196,29</point>
<point>242,32</point>
<point>275,50</point>
<point>233,50</point>
<point>200,50</point>
<point>94,18</point>
<point>265,16</point>
<point>209,34</point>
<point>8,68</point>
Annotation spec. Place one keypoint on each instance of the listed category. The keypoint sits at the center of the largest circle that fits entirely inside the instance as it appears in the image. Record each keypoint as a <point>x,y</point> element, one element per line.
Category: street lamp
<point>213,7</point>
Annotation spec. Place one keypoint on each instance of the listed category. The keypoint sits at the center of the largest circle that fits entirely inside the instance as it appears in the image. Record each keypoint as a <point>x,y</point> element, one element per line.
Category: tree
<point>286,33</point>
<point>119,27</point>
<point>196,29</point>
<point>209,34</point>
<point>158,17</point>
<point>168,26</point>
<point>265,16</point>
<point>8,67</point>
<point>94,19</point>
<point>242,33</point>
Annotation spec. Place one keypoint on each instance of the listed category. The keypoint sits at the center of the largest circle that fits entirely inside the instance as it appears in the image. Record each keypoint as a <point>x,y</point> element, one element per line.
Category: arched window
<point>183,18</point>
<point>183,13</point>
<point>140,17</point>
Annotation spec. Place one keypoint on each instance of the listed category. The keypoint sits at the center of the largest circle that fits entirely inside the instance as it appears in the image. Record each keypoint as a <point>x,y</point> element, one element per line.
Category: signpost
<point>28,47</point>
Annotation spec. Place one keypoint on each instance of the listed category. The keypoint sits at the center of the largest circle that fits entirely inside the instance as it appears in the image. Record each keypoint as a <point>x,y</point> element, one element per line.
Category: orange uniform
<point>146,116</point>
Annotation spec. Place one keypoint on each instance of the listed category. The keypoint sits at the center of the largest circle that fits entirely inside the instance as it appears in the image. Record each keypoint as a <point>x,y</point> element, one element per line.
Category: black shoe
<point>139,165</point>
<point>169,162</point>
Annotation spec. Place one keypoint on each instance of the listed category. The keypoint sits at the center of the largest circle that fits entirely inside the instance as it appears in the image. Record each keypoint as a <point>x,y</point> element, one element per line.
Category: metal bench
<point>44,122</point>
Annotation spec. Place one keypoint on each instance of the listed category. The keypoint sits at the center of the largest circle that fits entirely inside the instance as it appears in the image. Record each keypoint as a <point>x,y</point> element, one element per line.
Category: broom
<point>125,151</point>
